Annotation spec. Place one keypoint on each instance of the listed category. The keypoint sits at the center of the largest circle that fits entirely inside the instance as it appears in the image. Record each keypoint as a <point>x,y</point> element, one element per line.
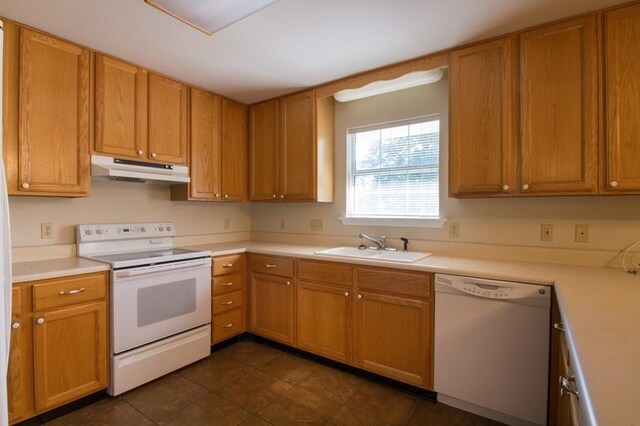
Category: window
<point>392,169</point>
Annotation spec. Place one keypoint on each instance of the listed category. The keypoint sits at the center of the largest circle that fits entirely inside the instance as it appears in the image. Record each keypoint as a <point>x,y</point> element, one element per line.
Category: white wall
<point>614,221</point>
<point>113,202</point>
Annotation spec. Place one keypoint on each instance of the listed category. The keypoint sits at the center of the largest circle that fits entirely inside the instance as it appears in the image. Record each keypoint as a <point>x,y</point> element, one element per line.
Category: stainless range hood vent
<point>126,170</point>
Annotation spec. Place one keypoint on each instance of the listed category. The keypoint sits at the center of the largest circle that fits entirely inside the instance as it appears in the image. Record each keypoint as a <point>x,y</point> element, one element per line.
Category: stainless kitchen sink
<point>368,253</point>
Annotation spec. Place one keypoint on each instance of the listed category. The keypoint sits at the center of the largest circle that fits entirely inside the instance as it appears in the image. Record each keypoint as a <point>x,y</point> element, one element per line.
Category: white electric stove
<point>160,299</point>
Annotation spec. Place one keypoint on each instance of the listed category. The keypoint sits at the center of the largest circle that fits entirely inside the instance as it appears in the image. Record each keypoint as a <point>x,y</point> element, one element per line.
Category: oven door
<point>153,302</point>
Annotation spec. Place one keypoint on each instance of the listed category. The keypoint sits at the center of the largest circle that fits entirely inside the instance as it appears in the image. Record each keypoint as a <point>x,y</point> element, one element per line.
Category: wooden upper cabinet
<point>206,134</point>
<point>622,89</point>
<point>263,161</point>
<point>46,114</point>
<point>121,93</point>
<point>559,108</point>
<point>234,150</point>
<point>298,147</point>
<point>483,138</point>
<point>167,119</point>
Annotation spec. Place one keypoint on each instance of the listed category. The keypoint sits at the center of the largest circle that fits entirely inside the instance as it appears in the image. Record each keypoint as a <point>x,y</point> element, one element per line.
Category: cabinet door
<point>272,307</point>
<point>167,120</point>
<point>263,151</point>
<point>121,108</point>
<point>559,89</point>
<point>206,148</point>
<point>392,337</point>
<point>70,353</point>
<point>48,140</point>
<point>622,70</point>
<point>17,384</point>
<point>324,320</point>
<point>234,150</point>
<point>298,167</point>
<point>483,138</point>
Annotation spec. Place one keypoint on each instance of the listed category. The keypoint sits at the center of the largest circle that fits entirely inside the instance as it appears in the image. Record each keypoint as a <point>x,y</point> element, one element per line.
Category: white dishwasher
<point>492,348</point>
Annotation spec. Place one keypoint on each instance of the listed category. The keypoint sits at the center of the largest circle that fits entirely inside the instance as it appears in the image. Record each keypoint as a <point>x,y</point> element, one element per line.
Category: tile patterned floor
<point>252,384</point>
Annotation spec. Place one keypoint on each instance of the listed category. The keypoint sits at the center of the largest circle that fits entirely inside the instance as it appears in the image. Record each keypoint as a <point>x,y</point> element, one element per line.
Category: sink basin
<point>386,255</point>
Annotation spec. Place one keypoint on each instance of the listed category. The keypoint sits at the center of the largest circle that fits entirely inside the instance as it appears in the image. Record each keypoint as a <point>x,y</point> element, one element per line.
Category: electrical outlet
<point>582,233</point>
<point>454,230</point>
<point>283,224</point>
<point>317,224</point>
<point>546,232</point>
<point>46,231</point>
<point>227,223</point>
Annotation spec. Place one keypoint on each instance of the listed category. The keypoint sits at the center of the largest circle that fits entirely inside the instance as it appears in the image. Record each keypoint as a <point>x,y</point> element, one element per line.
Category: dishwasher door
<point>492,348</point>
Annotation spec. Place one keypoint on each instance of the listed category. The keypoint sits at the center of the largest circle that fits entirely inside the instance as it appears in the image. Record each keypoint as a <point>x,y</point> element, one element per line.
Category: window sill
<point>398,222</point>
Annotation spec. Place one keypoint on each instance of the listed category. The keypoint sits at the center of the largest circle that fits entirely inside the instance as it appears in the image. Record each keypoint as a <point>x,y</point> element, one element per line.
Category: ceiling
<point>290,45</point>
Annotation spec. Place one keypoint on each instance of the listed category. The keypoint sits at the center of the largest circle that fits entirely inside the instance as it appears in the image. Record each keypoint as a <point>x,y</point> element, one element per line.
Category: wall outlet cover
<point>283,224</point>
<point>546,232</point>
<point>227,223</point>
<point>317,224</point>
<point>582,233</point>
<point>46,231</point>
<point>454,230</point>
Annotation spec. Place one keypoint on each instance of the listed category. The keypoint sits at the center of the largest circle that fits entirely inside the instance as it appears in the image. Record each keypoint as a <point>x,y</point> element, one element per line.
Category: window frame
<point>380,220</point>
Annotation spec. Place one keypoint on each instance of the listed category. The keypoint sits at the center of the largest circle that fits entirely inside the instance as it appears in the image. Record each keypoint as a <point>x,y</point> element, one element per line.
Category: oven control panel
<point>124,231</point>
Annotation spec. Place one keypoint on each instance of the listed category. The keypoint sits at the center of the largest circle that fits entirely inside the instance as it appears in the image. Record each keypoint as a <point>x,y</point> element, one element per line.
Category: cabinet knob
<point>40,320</point>
<point>154,155</point>
<point>613,184</point>
<point>359,296</point>
<point>15,325</point>
<point>346,293</point>
<point>505,187</point>
<point>282,196</point>
<point>25,185</point>
<point>226,196</point>
<point>140,152</point>
<point>217,195</point>
<point>275,196</point>
<point>525,187</point>
<point>288,282</point>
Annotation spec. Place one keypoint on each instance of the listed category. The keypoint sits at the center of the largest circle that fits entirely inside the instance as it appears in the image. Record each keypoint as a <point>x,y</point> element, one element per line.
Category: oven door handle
<point>154,269</point>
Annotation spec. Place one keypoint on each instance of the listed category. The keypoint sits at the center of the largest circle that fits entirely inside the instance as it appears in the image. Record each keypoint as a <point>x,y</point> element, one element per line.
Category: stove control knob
<point>161,228</point>
<point>169,228</point>
<point>88,232</point>
<point>143,229</point>
<point>99,231</point>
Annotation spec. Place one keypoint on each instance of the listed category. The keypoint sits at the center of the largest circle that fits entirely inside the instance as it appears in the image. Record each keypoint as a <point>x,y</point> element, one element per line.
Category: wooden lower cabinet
<point>324,320</point>
<point>392,337</point>
<point>59,353</point>
<point>272,307</point>
<point>70,353</point>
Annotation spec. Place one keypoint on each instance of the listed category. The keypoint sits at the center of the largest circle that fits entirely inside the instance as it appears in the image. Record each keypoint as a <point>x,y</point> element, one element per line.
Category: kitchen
<point>499,228</point>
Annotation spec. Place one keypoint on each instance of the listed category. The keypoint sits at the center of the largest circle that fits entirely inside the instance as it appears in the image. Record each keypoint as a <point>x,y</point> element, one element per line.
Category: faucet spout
<point>380,242</point>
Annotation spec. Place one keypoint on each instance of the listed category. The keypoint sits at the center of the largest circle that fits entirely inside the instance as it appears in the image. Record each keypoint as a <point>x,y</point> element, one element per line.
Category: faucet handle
<point>405,241</point>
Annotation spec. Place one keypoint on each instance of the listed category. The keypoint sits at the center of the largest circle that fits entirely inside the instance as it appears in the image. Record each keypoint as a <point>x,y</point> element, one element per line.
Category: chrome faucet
<point>380,242</point>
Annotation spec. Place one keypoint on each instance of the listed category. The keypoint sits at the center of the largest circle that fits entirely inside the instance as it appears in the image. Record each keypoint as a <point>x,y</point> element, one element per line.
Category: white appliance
<point>160,299</point>
<point>492,348</point>
<point>5,276</point>
<point>137,171</point>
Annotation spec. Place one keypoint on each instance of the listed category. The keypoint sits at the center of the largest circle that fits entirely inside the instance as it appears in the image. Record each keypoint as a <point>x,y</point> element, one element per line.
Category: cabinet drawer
<point>272,265</point>
<point>226,284</point>
<point>226,302</point>
<point>394,281</point>
<point>226,325</point>
<point>68,291</point>
<point>325,272</point>
<point>16,301</point>
<point>226,264</point>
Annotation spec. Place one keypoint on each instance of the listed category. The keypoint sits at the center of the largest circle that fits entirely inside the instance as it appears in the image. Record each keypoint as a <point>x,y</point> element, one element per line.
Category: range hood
<point>137,171</point>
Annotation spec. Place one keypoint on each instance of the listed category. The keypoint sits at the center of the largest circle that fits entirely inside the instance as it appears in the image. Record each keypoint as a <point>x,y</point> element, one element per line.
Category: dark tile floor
<point>252,384</point>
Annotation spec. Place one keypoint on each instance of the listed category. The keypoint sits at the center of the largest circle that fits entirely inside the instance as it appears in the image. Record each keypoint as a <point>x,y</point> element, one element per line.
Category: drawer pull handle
<point>227,284</point>
<point>228,325</point>
<point>15,325</point>
<point>71,292</point>
<point>40,320</point>
<point>228,265</point>
<point>558,326</point>
<point>270,265</point>
<point>566,388</point>
<point>230,302</point>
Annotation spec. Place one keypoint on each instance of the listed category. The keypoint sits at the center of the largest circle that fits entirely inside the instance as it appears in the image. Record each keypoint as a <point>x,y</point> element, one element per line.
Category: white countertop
<point>600,308</point>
